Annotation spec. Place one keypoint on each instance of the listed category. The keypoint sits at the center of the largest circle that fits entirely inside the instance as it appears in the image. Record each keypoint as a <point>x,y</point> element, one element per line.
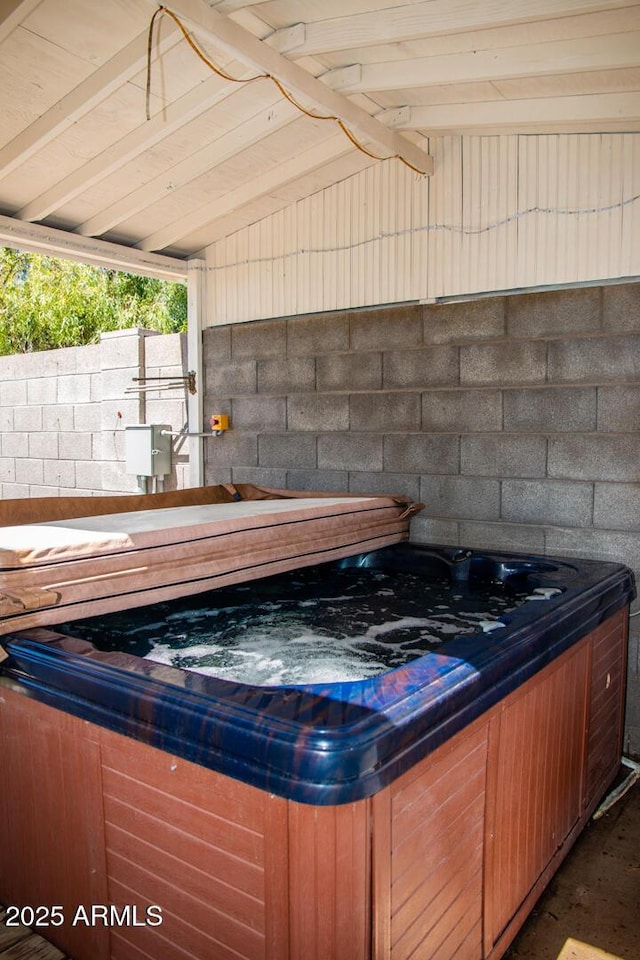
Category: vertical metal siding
<point>500,212</point>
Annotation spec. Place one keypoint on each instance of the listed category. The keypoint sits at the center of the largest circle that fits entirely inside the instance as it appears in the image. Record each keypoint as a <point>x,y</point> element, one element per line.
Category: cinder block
<point>258,339</point>
<point>29,471</point>
<point>542,314</point>
<point>43,390</point>
<point>297,375</point>
<point>168,350</point>
<point>329,412</point>
<point>502,536</point>
<point>113,384</point>
<point>43,445</point>
<point>619,408</point>
<point>617,506</point>
<point>469,320</point>
<point>88,475</point>
<point>378,484</point>
<point>430,366</point>
<point>216,344</point>
<point>595,359</point>
<point>349,371</point>
<point>330,480</point>
<point>116,414</point>
<point>260,414</point>
<point>85,418</point>
<point>61,416</point>
<point>317,335</point>
<point>461,498</point>
<point>461,411</point>
<point>350,451</point>
<point>6,419</point>
<point>425,529</point>
<point>550,409</point>
<point>75,446</point>
<point>7,470</point>
<point>384,328</point>
<point>511,362</point>
<point>110,445</point>
<point>213,474</point>
<point>617,546</point>
<point>547,502</point>
<point>589,457</point>
<point>385,411</point>
<point>286,450</point>
<point>75,388</point>
<point>421,453</point>
<point>122,348</point>
<point>15,444</point>
<point>13,393</point>
<point>260,476</point>
<point>60,473</point>
<point>27,418</point>
<point>621,307</point>
<point>115,480</point>
<point>14,491</point>
<point>503,456</point>
<point>233,449</point>
<point>231,379</point>
<point>172,412</point>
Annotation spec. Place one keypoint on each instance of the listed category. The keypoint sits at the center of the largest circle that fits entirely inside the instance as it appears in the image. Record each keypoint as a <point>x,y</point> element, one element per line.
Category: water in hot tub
<point>301,627</point>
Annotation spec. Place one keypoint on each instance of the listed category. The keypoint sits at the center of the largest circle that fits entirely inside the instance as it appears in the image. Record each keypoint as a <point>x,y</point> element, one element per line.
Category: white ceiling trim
<point>36,238</point>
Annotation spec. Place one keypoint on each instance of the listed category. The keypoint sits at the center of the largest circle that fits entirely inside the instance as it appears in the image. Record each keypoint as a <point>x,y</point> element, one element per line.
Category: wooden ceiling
<point>78,151</point>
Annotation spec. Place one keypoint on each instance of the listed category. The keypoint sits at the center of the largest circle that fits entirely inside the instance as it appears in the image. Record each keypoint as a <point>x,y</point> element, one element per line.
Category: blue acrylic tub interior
<point>333,741</point>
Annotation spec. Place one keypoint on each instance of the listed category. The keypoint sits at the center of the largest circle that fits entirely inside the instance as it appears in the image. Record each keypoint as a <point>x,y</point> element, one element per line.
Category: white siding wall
<point>499,213</point>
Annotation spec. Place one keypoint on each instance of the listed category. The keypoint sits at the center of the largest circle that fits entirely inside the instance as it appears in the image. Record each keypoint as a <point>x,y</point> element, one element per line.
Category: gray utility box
<point>147,449</point>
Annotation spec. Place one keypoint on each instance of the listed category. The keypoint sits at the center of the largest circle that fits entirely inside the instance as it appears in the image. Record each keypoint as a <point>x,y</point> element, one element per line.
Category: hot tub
<point>412,810</point>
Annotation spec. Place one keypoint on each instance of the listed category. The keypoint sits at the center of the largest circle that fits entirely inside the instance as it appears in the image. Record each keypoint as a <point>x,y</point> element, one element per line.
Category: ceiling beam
<point>554,57</point>
<point>272,180</point>
<point>12,13</point>
<point>224,33</point>
<point>266,122</point>
<point>433,18</point>
<point>79,101</point>
<point>591,113</point>
<point>36,238</point>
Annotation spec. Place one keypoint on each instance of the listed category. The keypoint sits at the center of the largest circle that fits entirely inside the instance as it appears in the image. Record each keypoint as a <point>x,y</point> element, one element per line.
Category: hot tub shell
<point>417,814</point>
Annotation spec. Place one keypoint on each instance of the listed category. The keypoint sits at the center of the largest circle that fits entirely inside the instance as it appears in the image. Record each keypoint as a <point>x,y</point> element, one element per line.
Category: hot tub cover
<point>97,563</point>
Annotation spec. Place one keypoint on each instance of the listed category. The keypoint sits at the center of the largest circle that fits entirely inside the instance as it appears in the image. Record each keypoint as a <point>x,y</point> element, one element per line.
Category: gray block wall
<point>514,419</point>
<point>63,413</point>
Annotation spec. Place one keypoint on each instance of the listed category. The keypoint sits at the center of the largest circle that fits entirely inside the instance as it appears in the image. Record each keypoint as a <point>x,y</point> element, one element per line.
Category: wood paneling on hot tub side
<point>444,863</point>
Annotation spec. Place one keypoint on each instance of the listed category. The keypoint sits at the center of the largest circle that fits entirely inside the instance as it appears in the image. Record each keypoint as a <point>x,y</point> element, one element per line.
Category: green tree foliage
<point>47,303</point>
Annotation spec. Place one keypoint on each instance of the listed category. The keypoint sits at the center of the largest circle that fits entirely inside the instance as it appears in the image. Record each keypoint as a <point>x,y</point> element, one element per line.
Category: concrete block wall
<point>63,414</point>
<point>514,419</point>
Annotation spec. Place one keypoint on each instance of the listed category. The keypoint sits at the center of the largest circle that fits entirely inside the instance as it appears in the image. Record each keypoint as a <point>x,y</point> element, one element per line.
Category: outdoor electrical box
<point>148,449</point>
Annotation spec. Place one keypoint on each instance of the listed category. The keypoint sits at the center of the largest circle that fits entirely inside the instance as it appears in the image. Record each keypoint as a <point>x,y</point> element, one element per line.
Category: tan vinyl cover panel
<point>73,568</point>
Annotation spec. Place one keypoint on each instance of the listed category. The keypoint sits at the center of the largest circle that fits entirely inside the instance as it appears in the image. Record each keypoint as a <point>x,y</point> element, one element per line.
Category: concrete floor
<point>591,909</point>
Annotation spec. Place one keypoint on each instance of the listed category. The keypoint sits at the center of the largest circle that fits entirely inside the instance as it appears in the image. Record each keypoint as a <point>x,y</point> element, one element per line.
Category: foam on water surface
<point>308,626</point>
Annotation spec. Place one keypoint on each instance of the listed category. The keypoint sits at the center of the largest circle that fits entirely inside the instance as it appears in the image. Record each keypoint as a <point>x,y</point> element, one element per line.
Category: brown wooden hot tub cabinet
<point>443,863</point>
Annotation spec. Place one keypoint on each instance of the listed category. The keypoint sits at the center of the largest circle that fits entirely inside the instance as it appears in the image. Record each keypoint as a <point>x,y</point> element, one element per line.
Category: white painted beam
<point>541,59</point>
<point>432,18</point>
<point>196,305</point>
<point>279,176</point>
<point>36,238</point>
<point>78,102</point>
<point>212,154</point>
<point>12,13</point>
<point>591,113</point>
<point>226,34</point>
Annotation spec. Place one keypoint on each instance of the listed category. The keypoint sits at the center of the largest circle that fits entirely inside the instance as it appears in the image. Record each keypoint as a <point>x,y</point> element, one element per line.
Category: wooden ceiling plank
<point>278,176</point>
<point>588,112</point>
<point>563,56</point>
<point>434,18</point>
<point>211,155</point>
<point>79,101</point>
<point>13,13</point>
<point>221,31</point>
